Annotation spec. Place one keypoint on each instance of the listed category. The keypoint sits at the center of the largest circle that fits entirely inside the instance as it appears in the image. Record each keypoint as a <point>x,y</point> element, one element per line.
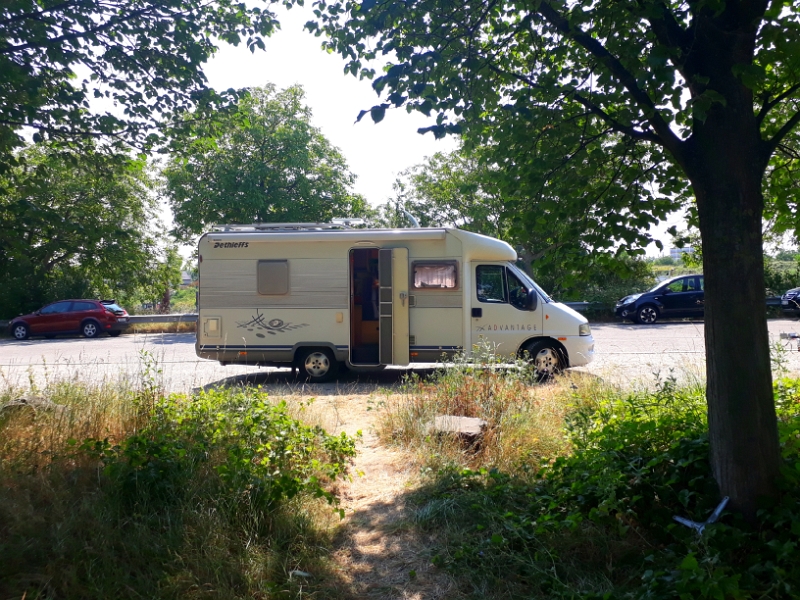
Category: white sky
<point>375,153</point>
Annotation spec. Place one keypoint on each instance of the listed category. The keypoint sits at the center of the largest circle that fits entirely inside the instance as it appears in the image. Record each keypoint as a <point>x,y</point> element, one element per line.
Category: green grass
<point>128,493</point>
<point>589,514</point>
<point>123,491</point>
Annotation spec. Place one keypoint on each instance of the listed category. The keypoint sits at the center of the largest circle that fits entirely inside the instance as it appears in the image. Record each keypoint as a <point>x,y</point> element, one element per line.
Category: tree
<point>450,189</point>
<point>262,163</point>
<point>143,57</point>
<point>164,275</point>
<point>702,92</point>
<point>73,226</point>
<point>467,189</point>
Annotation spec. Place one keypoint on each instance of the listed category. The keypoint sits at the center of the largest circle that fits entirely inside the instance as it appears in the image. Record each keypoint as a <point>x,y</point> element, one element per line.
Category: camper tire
<point>546,358</point>
<point>317,365</point>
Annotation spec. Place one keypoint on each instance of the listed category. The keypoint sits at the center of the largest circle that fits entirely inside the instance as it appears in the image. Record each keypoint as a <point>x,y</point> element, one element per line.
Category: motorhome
<point>318,296</point>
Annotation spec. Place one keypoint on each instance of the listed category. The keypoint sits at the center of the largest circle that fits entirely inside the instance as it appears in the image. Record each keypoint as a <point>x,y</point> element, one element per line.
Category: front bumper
<point>625,311</point>
<point>791,306</point>
<point>580,349</point>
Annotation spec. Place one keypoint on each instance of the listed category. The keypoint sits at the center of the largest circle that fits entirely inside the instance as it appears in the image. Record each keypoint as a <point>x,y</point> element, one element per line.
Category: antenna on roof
<point>411,217</point>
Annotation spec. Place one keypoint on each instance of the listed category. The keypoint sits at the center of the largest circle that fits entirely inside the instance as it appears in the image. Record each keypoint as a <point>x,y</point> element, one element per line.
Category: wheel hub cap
<point>317,364</point>
<point>546,361</point>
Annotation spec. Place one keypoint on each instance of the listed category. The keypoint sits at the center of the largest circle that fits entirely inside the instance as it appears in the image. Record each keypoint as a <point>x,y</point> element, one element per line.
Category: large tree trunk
<point>725,159</point>
<point>727,168</point>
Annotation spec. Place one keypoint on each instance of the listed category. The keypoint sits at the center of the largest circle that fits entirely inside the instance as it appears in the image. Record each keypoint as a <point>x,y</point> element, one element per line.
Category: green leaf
<point>689,563</point>
<point>377,113</point>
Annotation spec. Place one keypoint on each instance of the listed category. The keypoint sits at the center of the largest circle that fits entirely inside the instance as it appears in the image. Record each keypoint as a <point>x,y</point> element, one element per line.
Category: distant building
<point>675,253</point>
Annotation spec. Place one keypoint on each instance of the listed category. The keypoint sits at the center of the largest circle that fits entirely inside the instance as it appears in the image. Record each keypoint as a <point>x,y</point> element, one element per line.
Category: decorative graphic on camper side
<point>272,327</point>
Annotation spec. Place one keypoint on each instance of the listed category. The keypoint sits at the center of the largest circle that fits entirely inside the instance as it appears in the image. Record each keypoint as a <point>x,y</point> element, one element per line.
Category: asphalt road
<point>625,353</point>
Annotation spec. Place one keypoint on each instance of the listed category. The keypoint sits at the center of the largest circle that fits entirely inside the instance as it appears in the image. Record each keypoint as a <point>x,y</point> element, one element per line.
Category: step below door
<point>393,265</point>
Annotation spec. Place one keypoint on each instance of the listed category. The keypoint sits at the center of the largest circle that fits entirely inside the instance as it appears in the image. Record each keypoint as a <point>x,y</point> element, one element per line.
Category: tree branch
<point>788,151</point>
<point>112,22</point>
<point>770,104</point>
<point>38,14</point>
<point>668,138</point>
<point>667,29</point>
<point>772,144</point>
<point>629,130</point>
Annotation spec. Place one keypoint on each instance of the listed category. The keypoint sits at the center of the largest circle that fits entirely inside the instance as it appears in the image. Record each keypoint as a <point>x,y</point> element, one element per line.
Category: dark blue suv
<point>681,296</point>
<point>790,302</point>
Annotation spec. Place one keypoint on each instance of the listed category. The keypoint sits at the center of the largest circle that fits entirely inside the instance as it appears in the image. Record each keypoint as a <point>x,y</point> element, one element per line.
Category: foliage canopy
<point>263,162</point>
<point>463,189</point>
<point>141,59</point>
<point>74,226</point>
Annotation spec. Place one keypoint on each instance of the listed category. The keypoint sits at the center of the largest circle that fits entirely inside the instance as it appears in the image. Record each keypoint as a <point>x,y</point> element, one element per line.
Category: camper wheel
<point>546,358</point>
<point>317,364</point>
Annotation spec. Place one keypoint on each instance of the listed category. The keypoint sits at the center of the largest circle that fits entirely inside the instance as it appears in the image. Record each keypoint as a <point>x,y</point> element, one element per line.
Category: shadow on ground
<point>349,382</point>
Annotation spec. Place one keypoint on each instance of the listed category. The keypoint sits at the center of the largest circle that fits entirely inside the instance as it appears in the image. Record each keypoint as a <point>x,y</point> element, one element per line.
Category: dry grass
<point>33,436</point>
<point>524,421</point>
<point>179,327</point>
<point>67,531</point>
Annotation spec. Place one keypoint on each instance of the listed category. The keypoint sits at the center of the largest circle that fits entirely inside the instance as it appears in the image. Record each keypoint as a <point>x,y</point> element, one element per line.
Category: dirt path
<point>378,554</point>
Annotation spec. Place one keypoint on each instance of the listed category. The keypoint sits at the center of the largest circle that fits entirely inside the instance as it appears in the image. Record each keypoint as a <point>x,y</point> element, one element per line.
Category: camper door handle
<point>403,296</point>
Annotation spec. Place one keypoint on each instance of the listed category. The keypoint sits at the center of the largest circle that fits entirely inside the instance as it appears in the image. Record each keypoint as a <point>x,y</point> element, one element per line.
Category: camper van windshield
<point>528,281</point>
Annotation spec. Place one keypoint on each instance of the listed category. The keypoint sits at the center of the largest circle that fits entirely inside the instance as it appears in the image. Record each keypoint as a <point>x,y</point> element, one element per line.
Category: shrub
<point>257,455</point>
<point>598,522</point>
<point>221,494</point>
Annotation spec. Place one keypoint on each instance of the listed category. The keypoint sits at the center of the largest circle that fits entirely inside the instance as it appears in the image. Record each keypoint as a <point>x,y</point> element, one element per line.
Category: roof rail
<point>337,224</point>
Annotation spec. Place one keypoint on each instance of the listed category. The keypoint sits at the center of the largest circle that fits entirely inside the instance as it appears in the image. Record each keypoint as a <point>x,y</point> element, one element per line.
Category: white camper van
<point>315,296</point>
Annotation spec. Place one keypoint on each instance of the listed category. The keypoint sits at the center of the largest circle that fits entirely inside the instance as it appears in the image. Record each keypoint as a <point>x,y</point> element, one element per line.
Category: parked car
<point>681,296</point>
<point>87,317</point>
<point>790,302</point>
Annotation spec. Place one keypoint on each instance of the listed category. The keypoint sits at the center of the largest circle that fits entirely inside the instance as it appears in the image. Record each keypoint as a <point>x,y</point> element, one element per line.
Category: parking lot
<point>626,354</point>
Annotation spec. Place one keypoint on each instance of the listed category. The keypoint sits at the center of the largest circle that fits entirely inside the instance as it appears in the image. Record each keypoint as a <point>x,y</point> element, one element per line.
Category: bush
<point>131,494</point>
<point>598,522</point>
<point>250,451</point>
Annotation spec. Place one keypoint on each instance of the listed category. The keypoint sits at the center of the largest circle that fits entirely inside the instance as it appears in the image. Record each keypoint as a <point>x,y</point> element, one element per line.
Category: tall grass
<point>572,492</point>
<point>122,491</point>
<point>523,419</point>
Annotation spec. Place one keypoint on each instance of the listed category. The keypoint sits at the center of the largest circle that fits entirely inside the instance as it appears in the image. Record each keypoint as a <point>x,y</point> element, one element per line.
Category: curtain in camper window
<point>436,276</point>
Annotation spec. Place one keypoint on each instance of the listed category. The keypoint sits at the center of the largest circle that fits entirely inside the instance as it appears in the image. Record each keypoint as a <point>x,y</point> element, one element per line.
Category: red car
<point>87,317</point>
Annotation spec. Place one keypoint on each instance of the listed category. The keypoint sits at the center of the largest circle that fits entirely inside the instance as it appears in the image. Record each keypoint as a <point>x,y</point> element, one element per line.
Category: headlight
<point>584,329</point>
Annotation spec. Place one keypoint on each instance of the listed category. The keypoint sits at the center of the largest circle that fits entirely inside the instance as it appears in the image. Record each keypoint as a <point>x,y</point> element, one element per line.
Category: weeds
<point>176,327</point>
<point>523,419</point>
<point>596,521</point>
<point>125,492</point>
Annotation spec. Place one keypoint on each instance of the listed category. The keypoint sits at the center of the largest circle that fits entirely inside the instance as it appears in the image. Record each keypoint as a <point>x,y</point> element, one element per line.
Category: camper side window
<point>437,276</point>
<point>491,283</point>
<point>273,277</point>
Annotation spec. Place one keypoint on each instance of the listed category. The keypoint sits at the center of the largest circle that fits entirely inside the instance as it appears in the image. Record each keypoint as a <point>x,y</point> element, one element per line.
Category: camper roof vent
<point>275,227</point>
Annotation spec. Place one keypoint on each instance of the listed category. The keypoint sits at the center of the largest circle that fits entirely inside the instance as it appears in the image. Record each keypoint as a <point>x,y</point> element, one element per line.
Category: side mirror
<point>533,300</point>
<point>666,290</point>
